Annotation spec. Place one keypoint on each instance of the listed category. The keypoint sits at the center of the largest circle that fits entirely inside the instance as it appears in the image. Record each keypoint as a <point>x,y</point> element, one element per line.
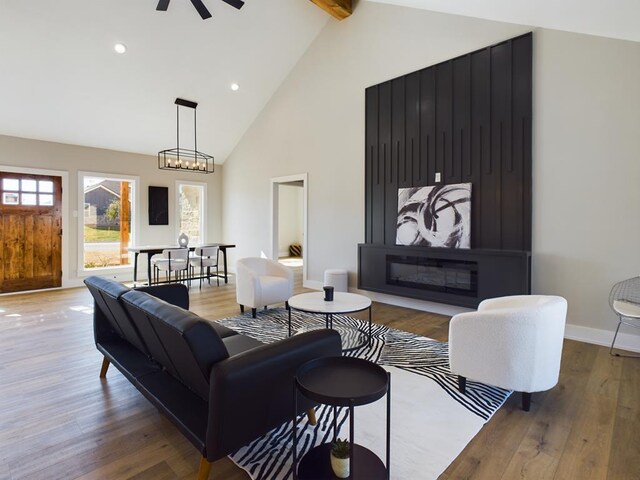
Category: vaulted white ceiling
<point>60,79</point>
<point>606,18</point>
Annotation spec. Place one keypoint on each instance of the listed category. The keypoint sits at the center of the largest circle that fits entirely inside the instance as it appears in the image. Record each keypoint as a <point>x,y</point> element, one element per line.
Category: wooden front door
<point>30,232</point>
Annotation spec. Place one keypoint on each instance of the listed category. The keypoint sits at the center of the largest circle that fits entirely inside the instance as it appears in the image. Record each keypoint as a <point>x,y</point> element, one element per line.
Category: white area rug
<point>431,422</point>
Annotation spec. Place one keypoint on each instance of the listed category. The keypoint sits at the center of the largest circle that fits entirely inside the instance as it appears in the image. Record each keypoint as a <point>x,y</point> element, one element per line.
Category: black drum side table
<point>341,382</point>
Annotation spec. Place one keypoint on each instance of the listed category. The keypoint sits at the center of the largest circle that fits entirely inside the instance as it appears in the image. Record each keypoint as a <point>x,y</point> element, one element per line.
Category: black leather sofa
<point>220,389</point>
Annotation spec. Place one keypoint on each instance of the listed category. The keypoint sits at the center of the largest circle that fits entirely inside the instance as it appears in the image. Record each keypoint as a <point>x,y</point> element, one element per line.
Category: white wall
<point>586,144</point>
<point>25,153</point>
<point>586,172</point>
<point>290,217</point>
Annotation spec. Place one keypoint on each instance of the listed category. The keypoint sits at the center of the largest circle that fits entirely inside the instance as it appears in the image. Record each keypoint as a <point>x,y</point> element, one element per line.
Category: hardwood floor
<point>59,420</point>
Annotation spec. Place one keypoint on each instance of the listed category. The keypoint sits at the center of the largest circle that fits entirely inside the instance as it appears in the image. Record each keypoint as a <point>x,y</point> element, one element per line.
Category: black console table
<point>341,382</point>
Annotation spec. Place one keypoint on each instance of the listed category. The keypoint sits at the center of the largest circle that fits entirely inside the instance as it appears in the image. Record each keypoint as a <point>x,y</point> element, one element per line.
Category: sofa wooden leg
<point>311,416</point>
<point>241,308</point>
<point>462,384</point>
<point>105,367</point>
<point>205,468</point>
<point>526,401</point>
<point>254,312</point>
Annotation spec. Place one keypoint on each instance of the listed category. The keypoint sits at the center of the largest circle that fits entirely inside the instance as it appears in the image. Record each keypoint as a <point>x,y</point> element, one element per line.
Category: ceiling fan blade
<point>235,3</point>
<point>202,10</point>
<point>163,5</point>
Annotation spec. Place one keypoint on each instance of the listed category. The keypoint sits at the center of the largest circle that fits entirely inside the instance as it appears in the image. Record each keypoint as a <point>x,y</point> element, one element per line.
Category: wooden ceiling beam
<point>339,9</point>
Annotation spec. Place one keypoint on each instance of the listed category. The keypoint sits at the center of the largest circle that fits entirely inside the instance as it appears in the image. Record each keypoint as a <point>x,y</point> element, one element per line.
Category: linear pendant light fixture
<point>182,158</point>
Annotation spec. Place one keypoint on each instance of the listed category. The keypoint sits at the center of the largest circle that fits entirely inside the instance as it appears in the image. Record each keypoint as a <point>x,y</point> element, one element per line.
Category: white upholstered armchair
<point>510,342</point>
<point>262,282</point>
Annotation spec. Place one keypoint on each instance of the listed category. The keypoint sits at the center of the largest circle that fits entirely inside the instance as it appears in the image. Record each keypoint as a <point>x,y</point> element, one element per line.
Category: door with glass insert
<point>30,232</point>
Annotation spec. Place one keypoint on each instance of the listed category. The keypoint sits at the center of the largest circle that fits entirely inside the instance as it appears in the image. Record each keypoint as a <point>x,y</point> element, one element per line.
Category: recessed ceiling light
<point>120,47</point>
<point>235,87</point>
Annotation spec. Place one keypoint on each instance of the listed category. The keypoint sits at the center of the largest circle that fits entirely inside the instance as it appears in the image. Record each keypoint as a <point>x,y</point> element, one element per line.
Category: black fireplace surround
<point>464,120</point>
<point>453,276</point>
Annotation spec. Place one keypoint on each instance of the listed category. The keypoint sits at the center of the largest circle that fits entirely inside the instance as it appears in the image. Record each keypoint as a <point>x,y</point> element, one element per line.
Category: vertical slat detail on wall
<point>490,198</point>
<point>396,158</point>
<point>384,140</point>
<point>444,103</point>
<point>521,114</point>
<point>469,119</point>
<point>509,183</point>
<point>427,169</point>
<point>412,129</point>
<point>371,148</point>
<point>461,154</point>
<point>480,142</point>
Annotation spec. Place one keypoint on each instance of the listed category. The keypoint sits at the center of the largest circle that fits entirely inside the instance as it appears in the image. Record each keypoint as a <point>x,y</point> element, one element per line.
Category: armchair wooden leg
<point>526,401</point>
<point>105,367</point>
<point>254,312</point>
<point>205,468</point>
<point>286,305</point>
<point>462,384</point>
<point>311,416</point>
<point>241,308</point>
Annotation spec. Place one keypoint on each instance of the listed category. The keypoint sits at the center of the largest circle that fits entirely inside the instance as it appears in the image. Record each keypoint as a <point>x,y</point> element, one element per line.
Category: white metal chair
<point>174,260</point>
<point>261,282</point>
<point>510,342</point>
<point>205,258</point>
<point>624,300</point>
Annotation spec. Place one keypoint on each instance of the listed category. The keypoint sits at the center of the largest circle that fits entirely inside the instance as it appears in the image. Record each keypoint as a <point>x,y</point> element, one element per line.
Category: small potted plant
<point>340,458</point>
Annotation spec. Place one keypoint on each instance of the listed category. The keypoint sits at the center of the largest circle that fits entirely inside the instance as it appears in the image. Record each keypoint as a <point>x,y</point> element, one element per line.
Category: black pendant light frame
<point>185,159</point>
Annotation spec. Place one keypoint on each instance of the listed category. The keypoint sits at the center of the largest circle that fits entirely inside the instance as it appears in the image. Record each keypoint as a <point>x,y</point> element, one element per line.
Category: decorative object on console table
<point>183,240</point>
<point>435,216</point>
<point>158,205</point>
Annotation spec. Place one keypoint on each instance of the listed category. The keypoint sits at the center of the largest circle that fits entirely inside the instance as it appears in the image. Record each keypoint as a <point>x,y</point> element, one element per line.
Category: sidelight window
<point>106,223</point>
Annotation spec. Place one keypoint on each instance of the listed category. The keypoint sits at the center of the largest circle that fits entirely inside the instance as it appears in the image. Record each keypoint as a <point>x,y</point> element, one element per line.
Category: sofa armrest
<point>252,392</point>
<point>173,293</point>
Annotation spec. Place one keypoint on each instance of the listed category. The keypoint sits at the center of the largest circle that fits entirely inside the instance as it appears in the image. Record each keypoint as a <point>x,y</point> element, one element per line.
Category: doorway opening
<point>289,222</point>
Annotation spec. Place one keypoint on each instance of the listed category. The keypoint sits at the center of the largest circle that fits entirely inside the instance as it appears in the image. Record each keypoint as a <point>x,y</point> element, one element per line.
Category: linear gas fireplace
<point>461,277</point>
<point>436,274</point>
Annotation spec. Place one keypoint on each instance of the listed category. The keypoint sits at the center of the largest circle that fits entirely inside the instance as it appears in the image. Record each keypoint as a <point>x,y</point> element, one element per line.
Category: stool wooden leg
<point>105,367</point>
<point>311,415</point>
<point>205,468</point>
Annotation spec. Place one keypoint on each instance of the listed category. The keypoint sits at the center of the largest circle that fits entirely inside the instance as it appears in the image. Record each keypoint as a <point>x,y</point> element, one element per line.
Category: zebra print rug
<point>431,422</point>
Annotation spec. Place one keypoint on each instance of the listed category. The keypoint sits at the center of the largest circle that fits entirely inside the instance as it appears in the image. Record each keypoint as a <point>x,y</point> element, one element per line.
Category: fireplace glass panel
<point>436,274</point>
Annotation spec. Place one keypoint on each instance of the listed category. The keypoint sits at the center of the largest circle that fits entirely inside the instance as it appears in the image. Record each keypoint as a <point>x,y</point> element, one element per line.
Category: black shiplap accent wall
<point>469,119</point>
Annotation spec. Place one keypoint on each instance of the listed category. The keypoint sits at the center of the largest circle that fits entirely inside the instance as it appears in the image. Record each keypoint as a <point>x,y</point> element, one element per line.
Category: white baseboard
<point>625,341</point>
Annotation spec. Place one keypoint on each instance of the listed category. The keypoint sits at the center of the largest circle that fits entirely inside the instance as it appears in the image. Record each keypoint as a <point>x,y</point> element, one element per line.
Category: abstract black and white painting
<point>435,216</point>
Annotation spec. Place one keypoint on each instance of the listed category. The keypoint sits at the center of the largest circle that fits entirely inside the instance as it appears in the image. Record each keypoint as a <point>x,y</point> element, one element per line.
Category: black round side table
<point>341,382</point>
